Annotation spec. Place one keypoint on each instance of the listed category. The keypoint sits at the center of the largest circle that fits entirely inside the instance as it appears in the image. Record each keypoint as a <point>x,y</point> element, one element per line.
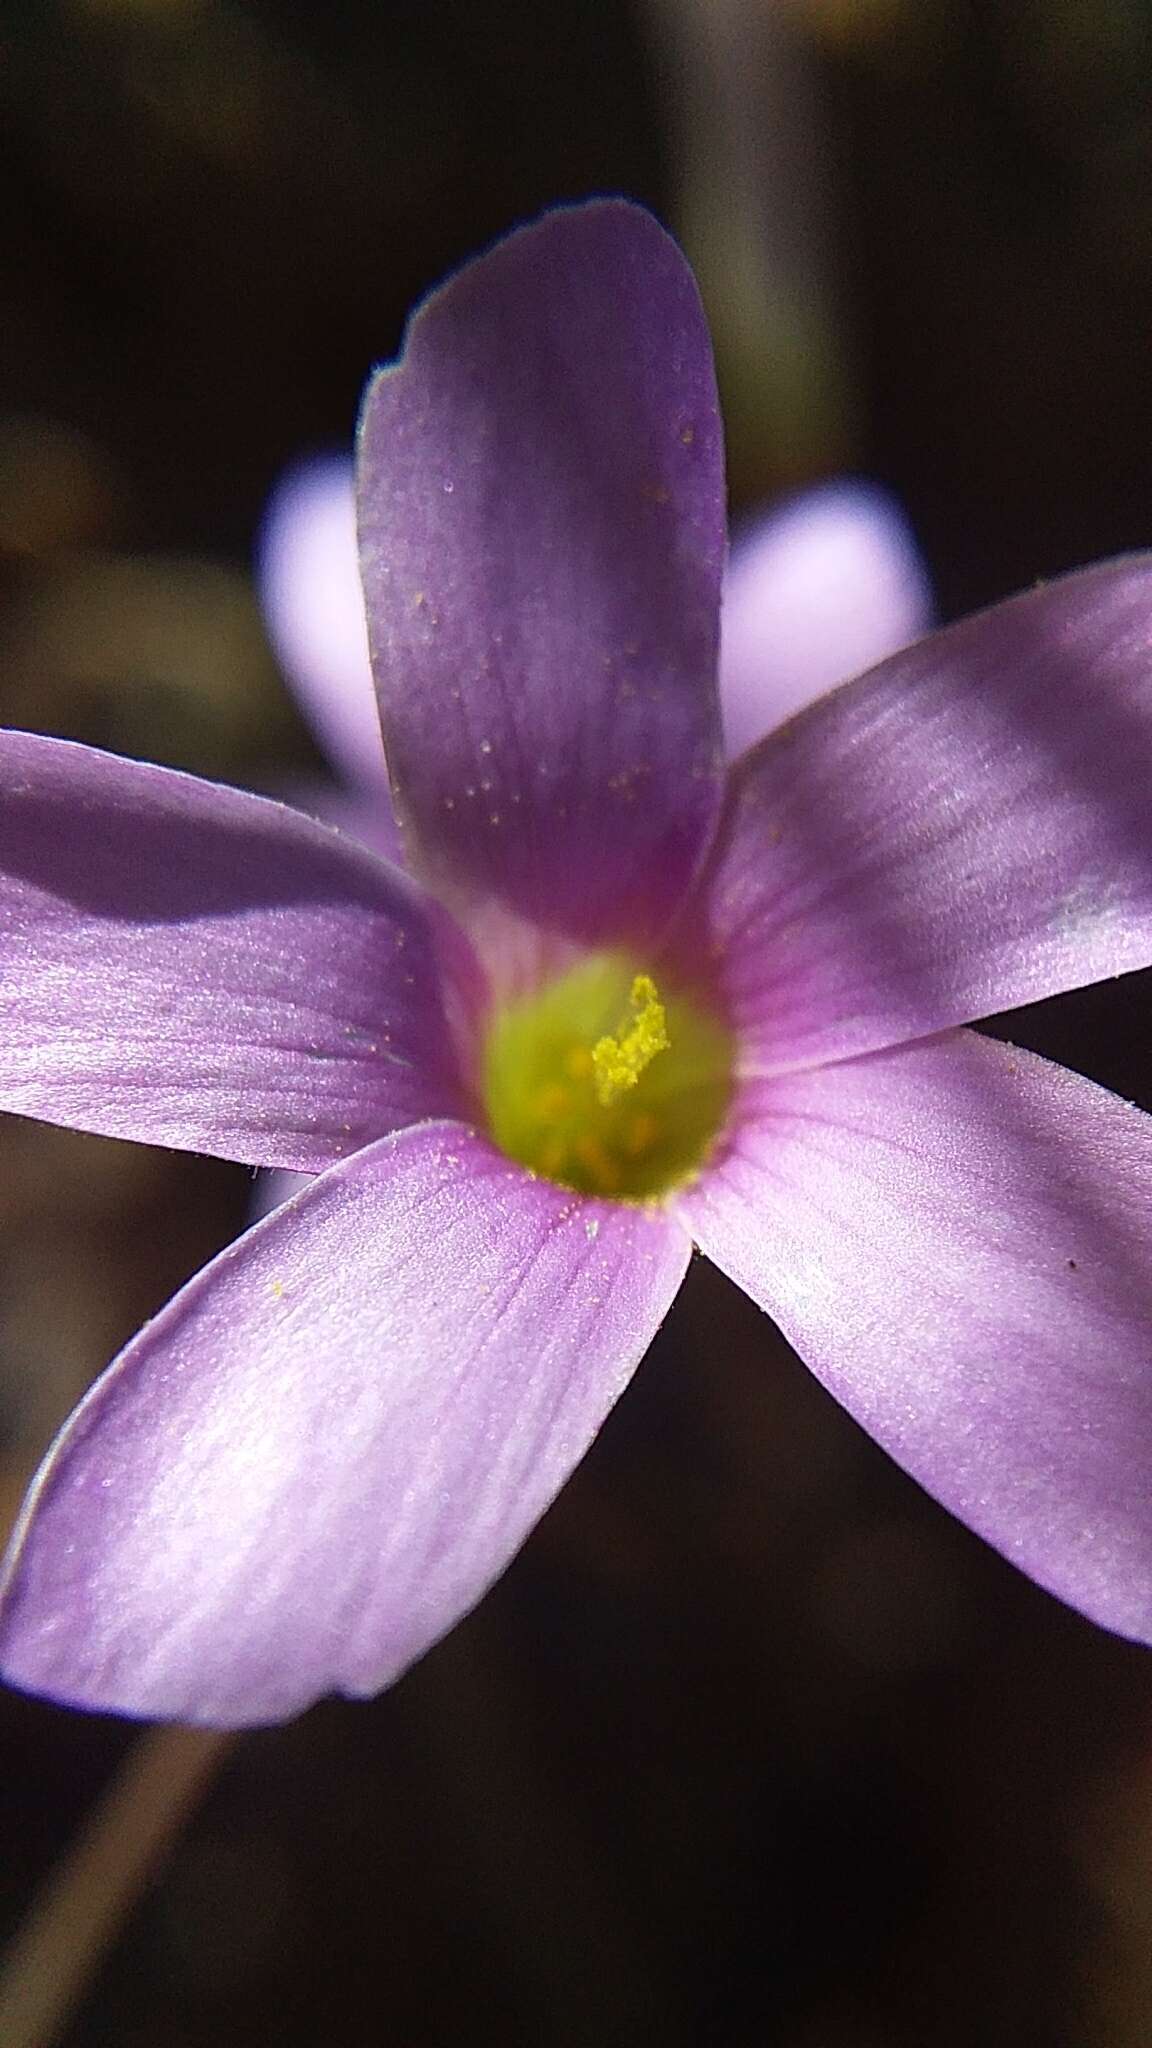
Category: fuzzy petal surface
<point>542,544</point>
<point>817,591</point>
<point>313,602</point>
<point>966,828</point>
<point>188,965</point>
<point>957,1238</point>
<point>334,1439</point>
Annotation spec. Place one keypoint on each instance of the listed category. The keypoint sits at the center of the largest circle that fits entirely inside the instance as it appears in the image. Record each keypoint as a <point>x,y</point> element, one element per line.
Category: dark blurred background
<point>753,1745</point>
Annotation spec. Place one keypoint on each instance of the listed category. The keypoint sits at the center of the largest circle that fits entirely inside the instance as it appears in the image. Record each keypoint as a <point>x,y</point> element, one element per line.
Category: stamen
<point>619,1062</point>
<point>599,1112</point>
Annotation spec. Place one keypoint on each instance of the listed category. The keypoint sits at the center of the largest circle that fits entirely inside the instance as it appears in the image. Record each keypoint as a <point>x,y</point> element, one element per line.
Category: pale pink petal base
<point>318,1457</point>
<point>957,1238</point>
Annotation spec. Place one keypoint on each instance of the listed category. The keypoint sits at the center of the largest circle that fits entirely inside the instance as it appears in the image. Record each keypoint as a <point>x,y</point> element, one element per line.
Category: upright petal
<point>820,589</point>
<point>957,1237</point>
<point>967,828</point>
<point>187,965</point>
<point>313,602</point>
<point>332,1441</point>
<point>542,539</point>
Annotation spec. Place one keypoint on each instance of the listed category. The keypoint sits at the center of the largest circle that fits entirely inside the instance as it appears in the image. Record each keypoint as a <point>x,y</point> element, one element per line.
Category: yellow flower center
<point>604,1084</point>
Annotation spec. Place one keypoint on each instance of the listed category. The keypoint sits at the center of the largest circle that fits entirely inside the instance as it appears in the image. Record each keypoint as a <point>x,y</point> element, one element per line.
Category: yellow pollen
<point>573,1088</point>
<point>620,1061</point>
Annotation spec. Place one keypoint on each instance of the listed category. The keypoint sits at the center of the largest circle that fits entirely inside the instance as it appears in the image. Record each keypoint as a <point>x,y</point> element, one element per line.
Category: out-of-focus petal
<point>188,965</point>
<point>957,1237</point>
<point>310,589</point>
<point>816,592</point>
<point>321,1454</point>
<point>542,542</point>
<point>367,818</point>
<point>269,1190</point>
<point>966,828</point>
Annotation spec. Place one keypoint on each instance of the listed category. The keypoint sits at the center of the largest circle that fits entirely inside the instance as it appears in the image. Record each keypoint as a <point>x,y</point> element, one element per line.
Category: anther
<point>619,1061</point>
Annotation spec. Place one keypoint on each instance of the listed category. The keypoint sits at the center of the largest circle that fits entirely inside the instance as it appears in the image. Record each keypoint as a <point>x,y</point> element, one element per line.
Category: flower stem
<point>90,1893</point>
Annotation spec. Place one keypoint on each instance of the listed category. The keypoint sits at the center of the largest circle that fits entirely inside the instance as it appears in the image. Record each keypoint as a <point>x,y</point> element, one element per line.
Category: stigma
<point>601,1081</point>
<point>618,1063</point>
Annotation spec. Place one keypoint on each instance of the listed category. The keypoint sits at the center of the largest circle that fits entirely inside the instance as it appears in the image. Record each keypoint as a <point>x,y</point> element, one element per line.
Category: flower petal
<point>542,540</point>
<point>368,819</point>
<point>817,591</point>
<point>967,828</point>
<point>313,602</point>
<point>187,965</point>
<point>322,1453</point>
<point>957,1237</point>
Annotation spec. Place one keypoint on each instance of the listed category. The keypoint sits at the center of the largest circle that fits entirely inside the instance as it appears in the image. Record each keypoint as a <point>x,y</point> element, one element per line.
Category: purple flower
<point>815,590</point>
<point>631,1002</point>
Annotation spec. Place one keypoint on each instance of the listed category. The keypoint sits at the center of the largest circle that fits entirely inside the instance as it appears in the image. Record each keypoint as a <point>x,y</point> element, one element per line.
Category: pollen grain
<point>602,1082</point>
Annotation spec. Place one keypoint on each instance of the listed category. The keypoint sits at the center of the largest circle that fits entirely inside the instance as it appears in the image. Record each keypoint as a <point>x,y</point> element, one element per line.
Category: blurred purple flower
<point>689,1007</point>
<point>313,599</point>
<point>817,590</point>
